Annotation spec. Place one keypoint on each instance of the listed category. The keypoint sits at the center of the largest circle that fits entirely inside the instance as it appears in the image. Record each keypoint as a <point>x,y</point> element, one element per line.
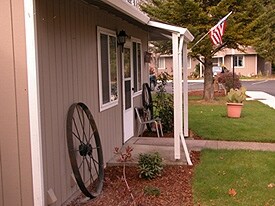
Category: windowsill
<point>108,105</point>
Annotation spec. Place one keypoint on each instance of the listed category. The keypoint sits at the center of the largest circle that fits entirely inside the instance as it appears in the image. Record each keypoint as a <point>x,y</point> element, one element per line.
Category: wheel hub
<point>85,149</point>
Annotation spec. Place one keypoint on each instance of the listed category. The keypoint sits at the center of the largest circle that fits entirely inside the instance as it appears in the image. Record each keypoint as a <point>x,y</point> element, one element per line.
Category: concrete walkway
<point>262,97</point>
<point>165,146</point>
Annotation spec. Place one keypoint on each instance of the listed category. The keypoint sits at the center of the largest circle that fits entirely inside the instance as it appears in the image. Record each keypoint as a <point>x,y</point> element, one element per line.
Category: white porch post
<point>177,94</point>
<point>34,105</point>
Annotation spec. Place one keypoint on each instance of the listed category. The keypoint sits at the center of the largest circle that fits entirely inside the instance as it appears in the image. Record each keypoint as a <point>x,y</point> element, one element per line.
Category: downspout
<point>177,94</point>
<point>34,104</point>
<point>181,72</point>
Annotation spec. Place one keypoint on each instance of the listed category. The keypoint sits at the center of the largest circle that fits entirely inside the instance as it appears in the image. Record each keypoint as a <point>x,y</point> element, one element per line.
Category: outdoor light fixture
<point>121,38</point>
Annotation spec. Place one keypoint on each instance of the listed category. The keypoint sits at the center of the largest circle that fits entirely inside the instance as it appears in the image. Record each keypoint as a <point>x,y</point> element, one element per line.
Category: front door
<point>128,111</point>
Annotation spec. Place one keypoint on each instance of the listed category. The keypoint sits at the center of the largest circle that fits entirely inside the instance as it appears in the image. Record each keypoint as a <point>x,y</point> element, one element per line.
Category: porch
<point>163,145</point>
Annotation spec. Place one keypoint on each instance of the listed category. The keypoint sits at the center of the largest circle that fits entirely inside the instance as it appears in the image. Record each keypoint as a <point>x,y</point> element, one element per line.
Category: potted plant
<point>235,99</point>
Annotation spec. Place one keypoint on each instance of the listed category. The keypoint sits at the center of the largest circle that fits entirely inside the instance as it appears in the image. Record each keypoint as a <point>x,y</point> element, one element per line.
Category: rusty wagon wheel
<point>85,150</point>
<point>147,103</point>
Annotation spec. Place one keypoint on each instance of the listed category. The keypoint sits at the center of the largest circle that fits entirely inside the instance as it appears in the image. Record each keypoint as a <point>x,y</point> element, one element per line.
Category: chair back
<point>139,112</point>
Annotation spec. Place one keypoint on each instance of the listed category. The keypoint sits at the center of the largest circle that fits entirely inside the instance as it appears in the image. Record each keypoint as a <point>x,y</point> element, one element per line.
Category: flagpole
<point>223,19</point>
<point>201,39</point>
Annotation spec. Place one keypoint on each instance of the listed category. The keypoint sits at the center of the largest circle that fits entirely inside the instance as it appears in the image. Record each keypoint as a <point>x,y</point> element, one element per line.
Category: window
<point>107,68</point>
<point>238,61</point>
<point>137,65</point>
<point>161,63</point>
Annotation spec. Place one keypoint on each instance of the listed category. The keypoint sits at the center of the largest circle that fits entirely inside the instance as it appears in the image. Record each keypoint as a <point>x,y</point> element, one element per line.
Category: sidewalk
<point>262,97</point>
<point>165,146</point>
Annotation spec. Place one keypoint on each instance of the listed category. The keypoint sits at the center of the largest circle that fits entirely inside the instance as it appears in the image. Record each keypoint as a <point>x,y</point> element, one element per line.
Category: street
<point>267,86</point>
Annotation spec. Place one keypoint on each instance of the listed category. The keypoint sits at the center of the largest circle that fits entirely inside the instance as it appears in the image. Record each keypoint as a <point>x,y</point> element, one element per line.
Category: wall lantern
<point>147,57</point>
<point>121,38</point>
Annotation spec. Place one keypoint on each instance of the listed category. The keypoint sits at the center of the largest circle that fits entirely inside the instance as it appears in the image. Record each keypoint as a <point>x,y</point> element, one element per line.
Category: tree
<point>199,16</point>
<point>263,29</point>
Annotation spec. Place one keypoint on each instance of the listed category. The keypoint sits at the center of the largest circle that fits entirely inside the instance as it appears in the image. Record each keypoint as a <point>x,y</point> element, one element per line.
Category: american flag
<point>217,31</point>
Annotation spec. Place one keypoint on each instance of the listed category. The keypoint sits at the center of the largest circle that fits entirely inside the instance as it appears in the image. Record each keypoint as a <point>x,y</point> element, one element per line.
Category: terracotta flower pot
<point>234,110</point>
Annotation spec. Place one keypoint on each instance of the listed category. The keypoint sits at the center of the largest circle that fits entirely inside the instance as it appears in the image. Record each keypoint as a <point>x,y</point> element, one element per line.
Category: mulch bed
<point>175,185</point>
<point>200,93</point>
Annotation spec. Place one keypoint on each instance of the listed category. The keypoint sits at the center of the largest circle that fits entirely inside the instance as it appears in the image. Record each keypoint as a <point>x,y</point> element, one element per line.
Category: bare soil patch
<point>175,186</point>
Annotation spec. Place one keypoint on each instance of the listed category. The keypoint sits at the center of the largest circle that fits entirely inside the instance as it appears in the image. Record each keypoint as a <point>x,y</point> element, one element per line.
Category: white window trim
<point>133,39</point>
<point>102,107</point>
<point>232,62</point>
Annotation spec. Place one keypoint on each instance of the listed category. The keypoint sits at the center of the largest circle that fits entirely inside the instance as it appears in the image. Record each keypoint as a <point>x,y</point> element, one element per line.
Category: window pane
<point>113,68</point>
<point>127,94</point>
<point>162,62</point>
<point>139,66</point>
<point>104,68</point>
<point>127,63</point>
<point>135,66</point>
<point>240,61</point>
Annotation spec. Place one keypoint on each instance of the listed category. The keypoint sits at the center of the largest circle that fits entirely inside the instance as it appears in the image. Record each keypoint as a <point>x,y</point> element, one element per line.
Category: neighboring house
<point>58,52</point>
<point>247,63</point>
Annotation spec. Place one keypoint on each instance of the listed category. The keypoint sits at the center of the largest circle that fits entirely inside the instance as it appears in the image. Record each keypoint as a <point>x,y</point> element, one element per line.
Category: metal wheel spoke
<point>89,167</point>
<point>77,137</point>
<point>95,165</point>
<point>82,124</point>
<point>76,127</point>
<point>81,164</point>
<point>90,137</point>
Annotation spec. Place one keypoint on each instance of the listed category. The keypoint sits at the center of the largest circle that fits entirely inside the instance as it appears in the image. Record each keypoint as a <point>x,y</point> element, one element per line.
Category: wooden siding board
<point>22,103</point>
<point>58,118</point>
<point>8,139</point>
<point>67,86</point>
<point>63,106</point>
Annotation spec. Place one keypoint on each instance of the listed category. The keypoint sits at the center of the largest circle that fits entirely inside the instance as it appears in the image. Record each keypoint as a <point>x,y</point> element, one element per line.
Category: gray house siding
<point>68,73</point>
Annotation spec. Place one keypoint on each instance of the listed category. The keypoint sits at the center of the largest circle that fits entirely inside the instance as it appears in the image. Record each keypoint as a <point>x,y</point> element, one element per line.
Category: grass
<point>249,173</point>
<point>210,121</point>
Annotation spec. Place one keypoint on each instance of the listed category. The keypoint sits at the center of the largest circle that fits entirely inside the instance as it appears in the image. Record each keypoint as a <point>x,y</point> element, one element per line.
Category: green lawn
<point>251,174</point>
<point>209,121</point>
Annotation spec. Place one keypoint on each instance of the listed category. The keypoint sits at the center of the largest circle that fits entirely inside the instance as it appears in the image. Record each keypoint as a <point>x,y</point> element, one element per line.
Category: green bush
<point>150,165</point>
<point>164,105</point>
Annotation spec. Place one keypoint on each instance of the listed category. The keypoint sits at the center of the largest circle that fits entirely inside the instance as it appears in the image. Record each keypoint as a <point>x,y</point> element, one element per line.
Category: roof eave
<point>182,31</point>
<point>128,9</point>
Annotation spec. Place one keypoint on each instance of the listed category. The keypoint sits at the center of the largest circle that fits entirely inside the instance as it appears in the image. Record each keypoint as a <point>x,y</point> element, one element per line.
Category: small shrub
<point>226,79</point>
<point>150,165</point>
<point>152,191</point>
<point>164,104</point>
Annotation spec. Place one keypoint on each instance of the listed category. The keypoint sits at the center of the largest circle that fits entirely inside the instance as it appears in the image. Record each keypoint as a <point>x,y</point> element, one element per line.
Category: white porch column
<point>177,94</point>
<point>34,105</point>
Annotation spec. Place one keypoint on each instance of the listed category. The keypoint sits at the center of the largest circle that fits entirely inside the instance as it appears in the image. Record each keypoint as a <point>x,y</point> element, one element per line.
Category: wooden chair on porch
<point>141,115</point>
